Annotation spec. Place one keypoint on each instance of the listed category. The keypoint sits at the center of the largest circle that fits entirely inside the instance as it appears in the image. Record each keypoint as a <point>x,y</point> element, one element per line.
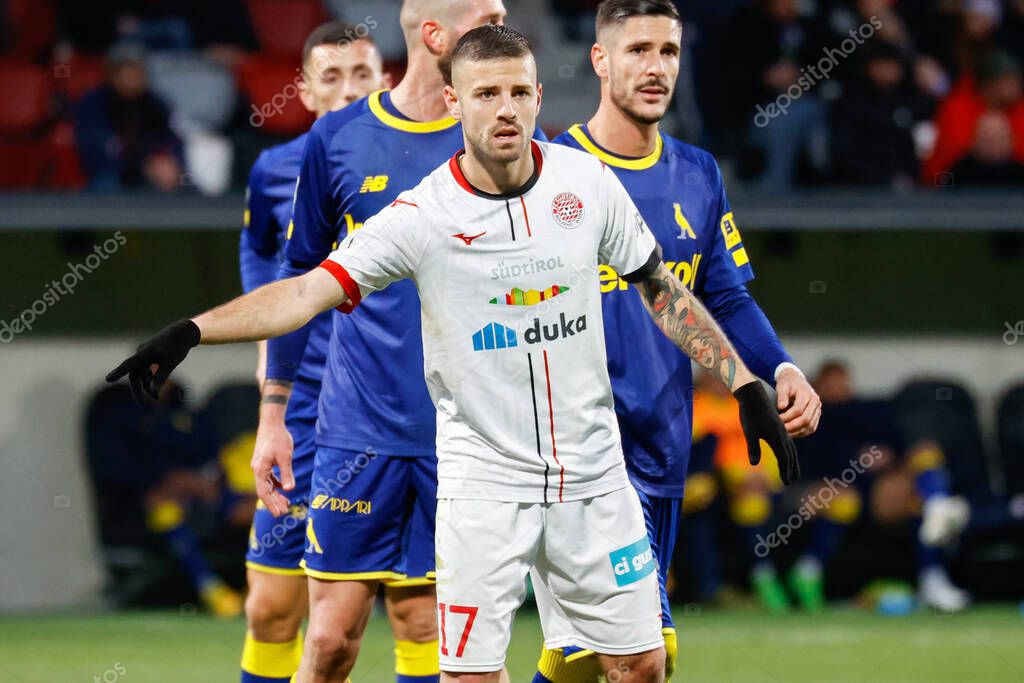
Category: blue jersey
<point>268,213</point>
<point>355,163</point>
<point>680,194</point>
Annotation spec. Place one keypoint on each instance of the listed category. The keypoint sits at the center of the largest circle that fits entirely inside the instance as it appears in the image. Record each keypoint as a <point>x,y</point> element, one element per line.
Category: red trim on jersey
<point>551,417</point>
<point>402,201</point>
<point>346,282</point>
<point>529,233</point>
<point>453,166</point>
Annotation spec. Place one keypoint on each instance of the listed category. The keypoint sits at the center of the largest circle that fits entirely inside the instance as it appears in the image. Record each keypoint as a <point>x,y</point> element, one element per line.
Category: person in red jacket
<point>996,85</point>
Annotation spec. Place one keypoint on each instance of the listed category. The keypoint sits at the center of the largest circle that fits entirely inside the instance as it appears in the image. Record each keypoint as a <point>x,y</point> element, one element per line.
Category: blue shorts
<point>662,518</point>
<point>371,516</point>
<point>276,543</point>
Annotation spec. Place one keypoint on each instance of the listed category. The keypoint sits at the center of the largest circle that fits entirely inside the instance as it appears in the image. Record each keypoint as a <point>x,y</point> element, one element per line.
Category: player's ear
<point>433,37</point>
<point>599,60</point>
<point>451,100</point>
<point>305,96</point>
<point>540,93</point>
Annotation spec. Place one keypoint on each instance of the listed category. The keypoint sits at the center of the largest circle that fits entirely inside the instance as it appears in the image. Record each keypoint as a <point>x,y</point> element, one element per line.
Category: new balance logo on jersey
<point>494,336</point>
<point>468,239</point>
<point>374,183</point>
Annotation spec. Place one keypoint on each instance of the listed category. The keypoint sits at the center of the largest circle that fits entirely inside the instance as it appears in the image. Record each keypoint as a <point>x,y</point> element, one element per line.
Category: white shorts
<point>592,556</point>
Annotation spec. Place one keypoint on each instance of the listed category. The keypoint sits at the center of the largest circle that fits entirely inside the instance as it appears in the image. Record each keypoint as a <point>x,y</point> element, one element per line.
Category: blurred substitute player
<point>503,243</point>
<point>679,192</point>
<point>340,65</point>
<point>373,498</point>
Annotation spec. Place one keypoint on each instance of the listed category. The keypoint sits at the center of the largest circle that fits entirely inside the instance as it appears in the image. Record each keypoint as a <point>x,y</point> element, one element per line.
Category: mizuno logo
<point>468,239</point>
<point>494,336</point>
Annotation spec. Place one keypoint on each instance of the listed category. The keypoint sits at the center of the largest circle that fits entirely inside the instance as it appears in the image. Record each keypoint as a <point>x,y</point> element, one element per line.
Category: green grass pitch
<point>985,644</point>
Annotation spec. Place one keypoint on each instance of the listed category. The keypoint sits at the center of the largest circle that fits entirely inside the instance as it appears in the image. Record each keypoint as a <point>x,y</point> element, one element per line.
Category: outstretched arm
<point>269,311</point>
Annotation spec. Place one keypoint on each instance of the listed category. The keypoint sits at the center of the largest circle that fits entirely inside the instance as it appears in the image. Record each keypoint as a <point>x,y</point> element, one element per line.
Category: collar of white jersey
<point>460,178</point>
<point>581,135</point>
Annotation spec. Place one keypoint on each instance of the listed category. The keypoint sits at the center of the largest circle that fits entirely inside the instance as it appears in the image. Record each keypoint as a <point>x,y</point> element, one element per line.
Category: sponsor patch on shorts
<point>632,562</point>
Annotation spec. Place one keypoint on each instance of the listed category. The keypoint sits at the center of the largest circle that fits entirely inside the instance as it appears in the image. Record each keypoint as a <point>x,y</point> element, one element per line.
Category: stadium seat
<point>64,168</point>
<point>22,164</point>
<point>1010,428</point>
<point>281,26</point>
<point>32,28</point>
<point>271,86</point>
<point>200,93</point>
<point>26,103</point>
<point>77,75</point>
<point>943,410</point>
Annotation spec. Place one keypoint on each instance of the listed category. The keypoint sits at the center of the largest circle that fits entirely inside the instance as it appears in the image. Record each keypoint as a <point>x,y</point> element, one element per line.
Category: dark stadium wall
<point>854,283</point>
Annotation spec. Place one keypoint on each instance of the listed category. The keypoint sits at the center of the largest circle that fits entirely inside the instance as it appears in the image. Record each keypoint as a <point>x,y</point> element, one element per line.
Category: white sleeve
<point>387,248</point>
<point>627,244</point>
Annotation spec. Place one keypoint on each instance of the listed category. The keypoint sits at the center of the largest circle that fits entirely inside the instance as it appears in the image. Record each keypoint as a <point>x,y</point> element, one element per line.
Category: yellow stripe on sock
<point>271,660</point>
<point>553,666</point>
<point>416,659</point>
<point>671,651</point>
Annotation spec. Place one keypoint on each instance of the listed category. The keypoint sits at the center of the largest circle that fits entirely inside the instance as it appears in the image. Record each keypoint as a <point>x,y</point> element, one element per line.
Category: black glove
<point>166,350</point>
<point>760,420</point>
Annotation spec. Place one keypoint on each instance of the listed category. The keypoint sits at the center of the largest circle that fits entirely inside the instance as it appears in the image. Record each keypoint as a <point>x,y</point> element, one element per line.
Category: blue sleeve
<point>258,255</point>
<point>313,233</point>
<point>728,265</point>
<point>539,135</point>
<point>747,327</point>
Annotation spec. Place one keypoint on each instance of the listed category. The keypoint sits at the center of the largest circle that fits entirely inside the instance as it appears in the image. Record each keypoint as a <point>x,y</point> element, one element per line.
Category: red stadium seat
<point>78,75</point>
<point>22,165</point>
<point>63,168</point>
<point>32,25</point>
<point>26,102</point>
<point>281,26</point>
<point>272,88</point>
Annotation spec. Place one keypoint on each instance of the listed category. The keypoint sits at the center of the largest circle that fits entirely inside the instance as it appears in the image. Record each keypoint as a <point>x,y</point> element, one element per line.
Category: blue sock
<point>402,678</point>
<point>932,482</point>
<point>253,678</point>
<point>541,678</point>
<point>185,546</point>
<point>826,537</point>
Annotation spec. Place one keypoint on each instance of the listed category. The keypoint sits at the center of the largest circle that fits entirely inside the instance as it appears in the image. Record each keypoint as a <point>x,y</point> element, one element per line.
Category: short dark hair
<point>491,41</point>
<point>616,12</point>
<point>337,33</point>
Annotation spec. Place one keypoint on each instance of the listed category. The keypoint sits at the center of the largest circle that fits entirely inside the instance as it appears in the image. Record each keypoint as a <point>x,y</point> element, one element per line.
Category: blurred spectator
<point>996,86</point>
<point>990,162</point>
<point>858,453</point>
<point>872,139</point>
<point>756,61</point>
<point>122,130</point>
<point>159,461</point>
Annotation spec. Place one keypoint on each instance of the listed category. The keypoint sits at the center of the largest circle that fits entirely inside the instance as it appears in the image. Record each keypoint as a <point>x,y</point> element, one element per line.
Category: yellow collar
<point>607,157</point>
<point>393,121</point>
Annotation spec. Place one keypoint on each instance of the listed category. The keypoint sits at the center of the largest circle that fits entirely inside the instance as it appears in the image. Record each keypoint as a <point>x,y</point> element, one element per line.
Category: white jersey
<point>513,339</point>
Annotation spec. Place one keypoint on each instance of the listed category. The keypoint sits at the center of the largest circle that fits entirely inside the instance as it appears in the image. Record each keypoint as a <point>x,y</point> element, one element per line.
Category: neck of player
<point>620,133</point>
<point>420,94</point>
<point>496,177</point>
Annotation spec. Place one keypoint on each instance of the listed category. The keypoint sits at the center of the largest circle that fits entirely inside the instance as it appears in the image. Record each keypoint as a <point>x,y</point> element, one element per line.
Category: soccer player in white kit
<point>503,243</point>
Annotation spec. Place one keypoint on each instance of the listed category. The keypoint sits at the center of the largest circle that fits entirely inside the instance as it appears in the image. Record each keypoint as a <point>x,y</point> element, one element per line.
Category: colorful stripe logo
<point>529,297</point>
<point>494,336</point>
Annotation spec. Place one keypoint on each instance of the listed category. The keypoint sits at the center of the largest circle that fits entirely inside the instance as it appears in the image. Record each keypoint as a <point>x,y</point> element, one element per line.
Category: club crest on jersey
<point>567,210</point>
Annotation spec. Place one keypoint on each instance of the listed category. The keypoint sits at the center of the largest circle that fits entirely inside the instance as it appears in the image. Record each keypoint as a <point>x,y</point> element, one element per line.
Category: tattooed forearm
<point>686,322</point>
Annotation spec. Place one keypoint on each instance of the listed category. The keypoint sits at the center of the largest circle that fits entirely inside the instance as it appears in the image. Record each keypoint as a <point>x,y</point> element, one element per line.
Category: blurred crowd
<point>180,96</point>
<point>901,504</point>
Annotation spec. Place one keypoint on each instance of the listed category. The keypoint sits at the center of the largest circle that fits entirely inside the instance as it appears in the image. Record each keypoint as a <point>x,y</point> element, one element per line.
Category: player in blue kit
<point>339,67</point>
<point>372,504</point>
<point>679,191</point>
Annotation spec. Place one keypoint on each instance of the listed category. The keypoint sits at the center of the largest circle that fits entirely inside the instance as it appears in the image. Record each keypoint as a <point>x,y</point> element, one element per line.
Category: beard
<point>624,101</point>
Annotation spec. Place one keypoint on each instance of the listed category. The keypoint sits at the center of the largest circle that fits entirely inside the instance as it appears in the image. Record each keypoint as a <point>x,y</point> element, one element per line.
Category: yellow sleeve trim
<point>393,121</point>
<point>640,164</point>
<point>281,571</point>
<point>740,257</point>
